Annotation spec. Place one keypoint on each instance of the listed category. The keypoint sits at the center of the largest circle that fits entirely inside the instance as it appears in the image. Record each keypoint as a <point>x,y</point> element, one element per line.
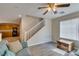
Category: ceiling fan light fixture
<point>49,9</point>
<point>19,16</point>
<point>54,12</point>
<point>53,7</point>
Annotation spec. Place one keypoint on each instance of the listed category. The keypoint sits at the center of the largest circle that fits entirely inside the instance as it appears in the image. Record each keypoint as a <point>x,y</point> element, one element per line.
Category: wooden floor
<point>44,50</point>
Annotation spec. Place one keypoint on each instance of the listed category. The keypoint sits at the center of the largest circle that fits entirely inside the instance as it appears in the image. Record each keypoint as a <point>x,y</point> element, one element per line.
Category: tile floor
<point>46,49</point>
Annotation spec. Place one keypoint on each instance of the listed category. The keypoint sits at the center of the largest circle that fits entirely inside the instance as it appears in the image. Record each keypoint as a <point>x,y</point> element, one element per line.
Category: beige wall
<point>55,30</point>
<point>15,21</point>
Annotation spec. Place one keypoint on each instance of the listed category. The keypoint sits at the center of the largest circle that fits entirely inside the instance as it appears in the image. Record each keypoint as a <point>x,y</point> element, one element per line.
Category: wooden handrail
<point>34,30</point>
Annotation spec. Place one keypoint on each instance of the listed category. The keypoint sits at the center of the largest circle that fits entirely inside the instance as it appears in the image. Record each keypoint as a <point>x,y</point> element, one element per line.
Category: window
<point>69,29</point>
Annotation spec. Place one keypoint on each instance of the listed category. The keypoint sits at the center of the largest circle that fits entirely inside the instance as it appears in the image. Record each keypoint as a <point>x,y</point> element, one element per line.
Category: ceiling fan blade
<point>45,12</point>
<point>63,5</point>
<point>41,7</point>
<point>55,12</point>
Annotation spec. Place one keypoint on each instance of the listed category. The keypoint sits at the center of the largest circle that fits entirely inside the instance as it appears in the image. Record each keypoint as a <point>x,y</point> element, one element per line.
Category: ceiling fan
<point>53,7</point>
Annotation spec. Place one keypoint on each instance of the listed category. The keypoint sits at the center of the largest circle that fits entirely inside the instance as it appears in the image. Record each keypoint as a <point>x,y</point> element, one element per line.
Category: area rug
<point>59,51</point>
<point>44,52</point>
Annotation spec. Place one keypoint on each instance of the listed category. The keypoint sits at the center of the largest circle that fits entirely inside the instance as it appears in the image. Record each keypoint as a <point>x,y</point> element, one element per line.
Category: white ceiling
<point>12,10</point>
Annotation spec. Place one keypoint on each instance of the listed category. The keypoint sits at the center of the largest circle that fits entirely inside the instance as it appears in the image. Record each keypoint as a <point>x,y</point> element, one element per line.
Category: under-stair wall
<point>39,32</point>
<point>31,32</point>
<point>42,36</point>
<point>29,26</point>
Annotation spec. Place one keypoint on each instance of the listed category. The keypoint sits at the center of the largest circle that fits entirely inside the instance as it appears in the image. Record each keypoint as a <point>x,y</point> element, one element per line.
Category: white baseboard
<point>38,43</point>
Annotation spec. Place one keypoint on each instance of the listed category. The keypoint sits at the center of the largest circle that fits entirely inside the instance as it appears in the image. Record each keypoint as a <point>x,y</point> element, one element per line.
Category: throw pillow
<point>15,46</point>
<point>3,47</point>
<point>9,53</point>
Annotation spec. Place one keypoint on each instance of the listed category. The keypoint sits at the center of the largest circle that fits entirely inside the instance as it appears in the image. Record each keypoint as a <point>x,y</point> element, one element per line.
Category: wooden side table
<point>65,45</point>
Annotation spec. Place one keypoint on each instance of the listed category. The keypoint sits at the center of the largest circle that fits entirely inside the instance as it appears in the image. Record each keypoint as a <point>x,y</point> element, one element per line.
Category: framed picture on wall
<point>14,31</point>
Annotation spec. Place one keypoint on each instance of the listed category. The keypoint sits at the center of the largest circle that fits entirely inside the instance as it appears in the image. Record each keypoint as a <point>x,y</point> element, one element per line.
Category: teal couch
<point>5,51</point>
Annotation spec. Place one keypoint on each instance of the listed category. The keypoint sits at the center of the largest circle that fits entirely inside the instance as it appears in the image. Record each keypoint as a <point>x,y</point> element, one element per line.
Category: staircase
<point>34,30</point>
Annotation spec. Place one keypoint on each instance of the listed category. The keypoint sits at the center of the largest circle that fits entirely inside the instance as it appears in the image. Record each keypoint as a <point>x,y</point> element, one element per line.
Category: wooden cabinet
<point>7,29</point>
<point>65,45</point>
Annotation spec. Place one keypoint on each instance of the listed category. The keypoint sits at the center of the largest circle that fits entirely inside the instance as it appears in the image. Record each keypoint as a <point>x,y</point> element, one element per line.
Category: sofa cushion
<point>77,52</point>
<point>24,44</point>
<point>15,46</point>
<point>24,52</point>
<point>9,53</point>
<point>3,47</point>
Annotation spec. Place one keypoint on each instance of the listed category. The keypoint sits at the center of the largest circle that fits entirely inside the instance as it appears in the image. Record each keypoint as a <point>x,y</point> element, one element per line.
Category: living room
<point>36,32</point>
